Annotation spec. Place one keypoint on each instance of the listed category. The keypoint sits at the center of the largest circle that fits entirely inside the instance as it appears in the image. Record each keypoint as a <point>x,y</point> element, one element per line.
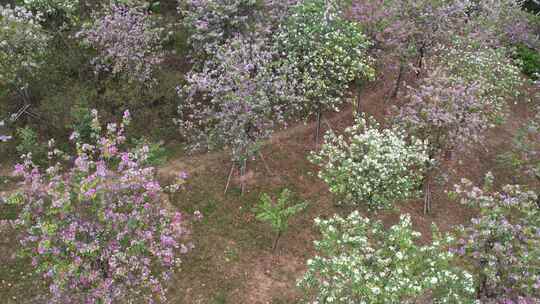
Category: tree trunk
<point>229,178</point>
<point>482,291</point>
<point>420,61</point>
<point>318,127</point>
<point>398,81</point>
<point>427,193</point>
<point>276,241</point>
<point>243,175</point>
<point>357,110</point>
<point>23,92</point>
<point>265,164</point>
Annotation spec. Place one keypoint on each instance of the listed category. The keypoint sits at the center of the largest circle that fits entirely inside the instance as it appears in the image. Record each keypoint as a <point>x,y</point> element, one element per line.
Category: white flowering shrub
<point>67,8</point>
<point>22,45</point>
<point>358,261</point>
<point>372,166</point>
<point>325,51</point>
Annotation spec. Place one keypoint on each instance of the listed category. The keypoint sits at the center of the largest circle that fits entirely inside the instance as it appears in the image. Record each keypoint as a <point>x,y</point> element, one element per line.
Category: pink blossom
<point>90,192</point>
<point>19,170</point>
<point>129,213</point>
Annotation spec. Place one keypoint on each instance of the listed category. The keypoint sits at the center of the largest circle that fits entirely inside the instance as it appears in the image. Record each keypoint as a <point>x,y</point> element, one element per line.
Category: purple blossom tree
<point>501,23</point>
<point>453,106</point>
<point>499,77</point>
<point>212,22</point>
<point>409,31</point>
<point>415,30</point>
<point>236,101</point>
<point>502,243</point>
<point>447,114</point>
<point>128,42</point>
<point>95,224</point>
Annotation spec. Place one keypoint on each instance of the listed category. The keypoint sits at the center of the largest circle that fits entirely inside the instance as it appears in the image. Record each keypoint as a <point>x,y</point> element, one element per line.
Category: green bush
<point>532,6</point>
<point>82,122</point>
<point>530,59</point>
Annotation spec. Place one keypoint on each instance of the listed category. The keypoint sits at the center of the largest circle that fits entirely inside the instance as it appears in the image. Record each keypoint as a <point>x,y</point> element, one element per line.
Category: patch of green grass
<point>17,282</point>
<point>219,298</point>
<point>8,212</point>
<point>280,301</point>
<point>231,254</point>
<point>179,42</point>
<point>175,150</point>
<point>6,182</point>
<point>209,207</point>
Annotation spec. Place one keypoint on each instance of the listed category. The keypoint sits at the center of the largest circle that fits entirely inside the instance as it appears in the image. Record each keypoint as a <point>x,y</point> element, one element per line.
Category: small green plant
<point>277,214</point>
<point>219,298</point>
<point>82,122</point>
<point>231,254</point>
<point>28,142</point>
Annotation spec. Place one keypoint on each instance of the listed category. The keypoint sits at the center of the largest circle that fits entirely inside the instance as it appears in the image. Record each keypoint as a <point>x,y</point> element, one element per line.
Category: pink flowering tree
<point>457,102</point>
<point>212,22</point>
<point>502,243</point>
<point>236,101</point>
<point>128,42</point>
<point>96,226</point>
<point>409,31</point>
<point>501,23</point>
<point>448,115</point>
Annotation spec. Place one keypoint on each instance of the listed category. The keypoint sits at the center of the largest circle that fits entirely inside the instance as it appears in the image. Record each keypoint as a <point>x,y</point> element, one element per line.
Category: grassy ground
<point>233,261</point>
